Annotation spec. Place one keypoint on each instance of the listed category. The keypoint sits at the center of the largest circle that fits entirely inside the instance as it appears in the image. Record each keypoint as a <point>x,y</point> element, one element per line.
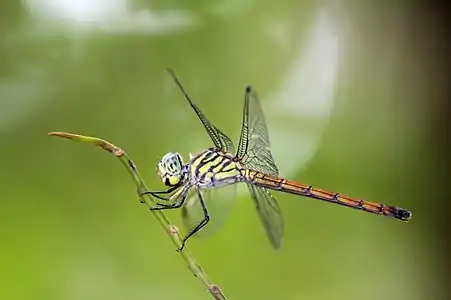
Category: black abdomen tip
<point>403,214</point>
<point>248,89</point>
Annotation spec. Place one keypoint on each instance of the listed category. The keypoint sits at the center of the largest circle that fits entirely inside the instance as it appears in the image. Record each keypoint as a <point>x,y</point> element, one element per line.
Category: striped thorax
<point>213,168</point>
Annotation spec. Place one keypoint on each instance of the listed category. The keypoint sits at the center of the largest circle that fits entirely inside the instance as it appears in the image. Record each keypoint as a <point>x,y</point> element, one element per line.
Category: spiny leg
<point>178,202</point>
<point>201,223</point>
<point>157,193</point>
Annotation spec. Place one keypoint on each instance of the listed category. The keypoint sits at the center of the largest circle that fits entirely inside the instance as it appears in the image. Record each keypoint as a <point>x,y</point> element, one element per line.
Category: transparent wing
<point>269,213</point>
<point>254,145</point>
<point>255,153</point>
<point>220,140</point>
<point>219,202</point>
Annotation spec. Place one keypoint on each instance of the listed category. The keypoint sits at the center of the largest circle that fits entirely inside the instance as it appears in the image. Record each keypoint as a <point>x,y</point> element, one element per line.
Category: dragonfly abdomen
<point>292,187</point>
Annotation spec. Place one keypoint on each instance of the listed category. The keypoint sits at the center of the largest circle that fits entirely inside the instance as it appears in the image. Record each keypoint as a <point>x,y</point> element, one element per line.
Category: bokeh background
<point>352,92</point>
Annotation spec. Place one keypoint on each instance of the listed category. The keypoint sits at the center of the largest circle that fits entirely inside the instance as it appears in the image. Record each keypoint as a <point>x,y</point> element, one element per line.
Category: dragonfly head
<point>169,169</point>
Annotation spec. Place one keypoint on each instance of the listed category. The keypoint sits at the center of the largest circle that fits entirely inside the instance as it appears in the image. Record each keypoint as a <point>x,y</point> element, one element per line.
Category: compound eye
<point>173,166</point>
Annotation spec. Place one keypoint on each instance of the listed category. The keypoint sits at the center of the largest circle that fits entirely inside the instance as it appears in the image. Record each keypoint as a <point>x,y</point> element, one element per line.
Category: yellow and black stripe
<point>215,168</point>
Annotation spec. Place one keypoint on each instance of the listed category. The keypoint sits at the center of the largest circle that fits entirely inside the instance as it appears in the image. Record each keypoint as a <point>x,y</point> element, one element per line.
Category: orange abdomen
<point>280,184</point>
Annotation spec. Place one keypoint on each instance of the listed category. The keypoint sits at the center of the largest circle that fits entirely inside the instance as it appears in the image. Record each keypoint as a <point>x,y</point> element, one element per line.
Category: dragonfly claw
<point>181,248</point>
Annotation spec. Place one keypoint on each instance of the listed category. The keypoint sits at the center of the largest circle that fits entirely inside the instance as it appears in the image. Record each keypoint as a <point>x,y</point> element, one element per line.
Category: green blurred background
<point>350,93</point>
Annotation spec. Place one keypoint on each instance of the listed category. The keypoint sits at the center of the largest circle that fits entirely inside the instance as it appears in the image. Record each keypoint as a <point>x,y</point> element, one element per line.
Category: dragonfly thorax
<point>170,169</point>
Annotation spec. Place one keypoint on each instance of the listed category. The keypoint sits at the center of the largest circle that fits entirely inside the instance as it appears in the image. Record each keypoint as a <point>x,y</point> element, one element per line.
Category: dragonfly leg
<point>174,205</point>
<point>157,194</point>
<point>177,203</point>
<point>201,223</point>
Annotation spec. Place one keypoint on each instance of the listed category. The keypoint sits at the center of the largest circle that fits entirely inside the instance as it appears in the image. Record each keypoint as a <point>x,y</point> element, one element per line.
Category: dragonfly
<point>221,168</point>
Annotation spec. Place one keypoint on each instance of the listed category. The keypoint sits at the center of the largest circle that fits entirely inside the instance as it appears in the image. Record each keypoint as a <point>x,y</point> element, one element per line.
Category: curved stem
<point>147,200</point>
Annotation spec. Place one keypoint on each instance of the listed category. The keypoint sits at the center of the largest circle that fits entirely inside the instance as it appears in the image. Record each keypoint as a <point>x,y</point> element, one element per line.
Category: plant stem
<point>147,200</point>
